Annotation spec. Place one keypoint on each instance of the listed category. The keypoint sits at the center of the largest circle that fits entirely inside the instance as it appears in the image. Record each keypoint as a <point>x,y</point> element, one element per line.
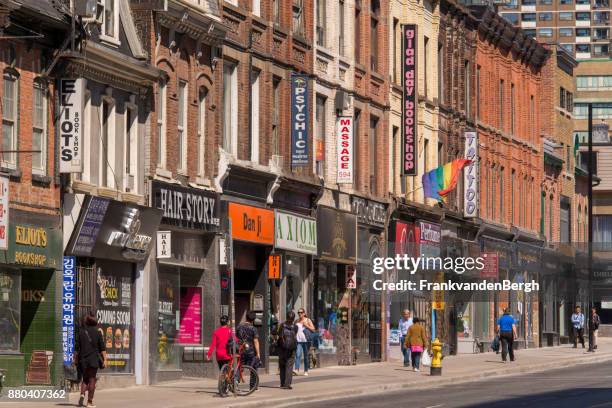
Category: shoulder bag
<point>100,358</point>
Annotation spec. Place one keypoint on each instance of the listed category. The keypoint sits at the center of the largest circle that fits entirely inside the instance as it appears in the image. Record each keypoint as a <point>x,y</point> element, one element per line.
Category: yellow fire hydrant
<point>436,359</point>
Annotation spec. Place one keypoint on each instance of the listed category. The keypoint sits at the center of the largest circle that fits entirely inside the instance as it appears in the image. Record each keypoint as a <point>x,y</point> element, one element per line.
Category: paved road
<point>585,386</point>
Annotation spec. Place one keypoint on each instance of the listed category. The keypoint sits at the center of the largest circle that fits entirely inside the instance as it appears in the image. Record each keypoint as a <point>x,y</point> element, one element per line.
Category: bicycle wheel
<point>224,384</point>
<point>246,381</point>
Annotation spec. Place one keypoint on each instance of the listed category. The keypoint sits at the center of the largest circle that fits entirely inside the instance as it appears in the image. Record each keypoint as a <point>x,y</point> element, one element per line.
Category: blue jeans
<point>416,359</point>
<point>405,351</point>
<point>302,349</point>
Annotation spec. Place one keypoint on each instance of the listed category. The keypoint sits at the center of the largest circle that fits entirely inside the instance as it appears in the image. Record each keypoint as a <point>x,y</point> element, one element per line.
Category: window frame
<point>13,161</point>
<point>182,124</point>
<point>131,146</point>
<point>43,128</point>
<point>162,95</point>
<point>102,19</point>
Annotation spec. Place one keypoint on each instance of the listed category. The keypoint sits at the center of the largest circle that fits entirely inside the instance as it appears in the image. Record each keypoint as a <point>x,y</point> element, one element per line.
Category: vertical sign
<point>470,176</point>
<point>344,136</point>
<point>409,100</point>
<point>438,295</point>
<point>4,212</point>
<point>299,120</point>
<point>70,118</point>
<point>68,302</point>
<point>351,277</point>
<point>164,243</point>
<point>491,265</point>
<point>274,266</point>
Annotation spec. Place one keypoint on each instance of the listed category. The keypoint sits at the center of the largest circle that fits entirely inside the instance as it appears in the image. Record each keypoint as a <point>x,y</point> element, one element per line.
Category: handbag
<point>426,359</point>
<point>100,358</point>
<point>71,373</point>
<point>416,348</point>
<point>495,344</point>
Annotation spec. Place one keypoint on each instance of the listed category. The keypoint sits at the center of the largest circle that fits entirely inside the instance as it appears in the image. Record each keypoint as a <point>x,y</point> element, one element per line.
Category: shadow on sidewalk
<point>571,397</point>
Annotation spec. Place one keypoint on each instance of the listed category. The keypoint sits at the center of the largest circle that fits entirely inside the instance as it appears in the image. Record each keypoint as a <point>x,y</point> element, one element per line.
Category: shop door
<point>242,301</point>
<point>375,328</point>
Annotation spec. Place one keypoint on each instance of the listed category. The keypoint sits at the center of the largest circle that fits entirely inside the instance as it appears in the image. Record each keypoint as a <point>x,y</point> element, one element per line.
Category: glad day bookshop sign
<point>70,120</point>
<point>409,100</point>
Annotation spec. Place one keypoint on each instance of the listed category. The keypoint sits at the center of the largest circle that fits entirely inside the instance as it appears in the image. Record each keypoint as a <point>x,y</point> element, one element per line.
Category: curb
<point>391,387</point>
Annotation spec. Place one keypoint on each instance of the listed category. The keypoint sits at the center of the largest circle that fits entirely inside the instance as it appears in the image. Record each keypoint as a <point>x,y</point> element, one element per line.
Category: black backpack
<point>287,340</point>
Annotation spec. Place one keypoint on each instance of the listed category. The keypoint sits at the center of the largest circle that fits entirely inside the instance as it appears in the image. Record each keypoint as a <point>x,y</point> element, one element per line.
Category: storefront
<point>526,266</point>
<point>30,300</point>
<point>111,242</point>
<point>184,281</point>
<point>337,249</point>
<point>366,303</point>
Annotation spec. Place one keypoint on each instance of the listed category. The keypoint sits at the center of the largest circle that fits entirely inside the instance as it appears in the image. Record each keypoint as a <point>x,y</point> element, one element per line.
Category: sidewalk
<point>337,382</point>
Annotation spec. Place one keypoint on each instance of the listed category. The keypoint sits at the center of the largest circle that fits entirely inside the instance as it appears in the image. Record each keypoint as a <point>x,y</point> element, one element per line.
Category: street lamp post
<point>590,214</point>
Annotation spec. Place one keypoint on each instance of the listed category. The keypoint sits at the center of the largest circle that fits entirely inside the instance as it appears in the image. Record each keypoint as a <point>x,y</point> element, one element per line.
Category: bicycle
<point>478,346</point>
<point>237,378</point>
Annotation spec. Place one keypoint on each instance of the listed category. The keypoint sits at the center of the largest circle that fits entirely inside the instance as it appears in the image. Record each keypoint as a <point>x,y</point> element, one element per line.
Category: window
<point>491,201</point>
<point>478,92</point>
<point>358,33</point>
<point>425,155</point>
<point>600,50</point>
<point>39,129</point>
<point>182,125</point>
<point>276,11</point>
<point>466,91</point>
<point>567,158</point>
<point>440,154</point>
<point>531,32</point>
<point>374,15</point>
<point>373,156</point>
<point>131,148</point>
<point>569,101</point>
<point>601,33</point>
<point>551,213</point>
<point>202,130</point>
<point>594,83</point>
<point>568,47</point>
<point>566,32</point>
<point>10,310</point>
<point>565,2</point>
<point>545,32</point>
<point>230,106</point>
<point>566,16</point>
<point>257,7</point>
<point>501,194</point>
<point>320,136</point>
<point>394,155</point>
<point>107,15</point>
<point>501,104</point>
<point>106,144</point>
<point>425,64</point>
<point>298,17</point>
<point>583,48</point>
<point>597,4</point>
<point>512,110</point>
<point>601,17</point>
<point>600,111</point>
<point>276,112</point>
<point>341,24</point>
<point>562,97</point>
<point>161,124</point>
<point>396,51</point>
<point>254,142</point>
<point>513,18</point>
<point>321,23</point>
<point>10,117</point>
<point>528,2</point>
<point>545,2</point>
<point>530,17</point>
<point>441,73</point>
<point>583,16</point>
<point>583,32</point>
<point>584,161</point>
<point>532,116</point>
<point>545,16</point>
<point>512,210</point>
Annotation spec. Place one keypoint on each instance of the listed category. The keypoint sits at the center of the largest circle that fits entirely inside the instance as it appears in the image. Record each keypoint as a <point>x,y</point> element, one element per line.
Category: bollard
<point>436,360</point>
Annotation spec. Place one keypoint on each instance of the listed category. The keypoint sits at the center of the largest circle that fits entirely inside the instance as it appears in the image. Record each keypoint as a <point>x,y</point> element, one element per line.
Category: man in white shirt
<point>404,324</point>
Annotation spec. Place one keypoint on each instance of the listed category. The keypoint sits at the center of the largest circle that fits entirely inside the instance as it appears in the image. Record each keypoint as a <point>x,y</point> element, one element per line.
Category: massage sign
<point>345,150</point>
<point>409,101</point>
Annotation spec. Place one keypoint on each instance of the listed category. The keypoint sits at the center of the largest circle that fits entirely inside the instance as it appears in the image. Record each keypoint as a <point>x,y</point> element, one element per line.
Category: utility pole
<point>230,262</point>
<point>590,215</point>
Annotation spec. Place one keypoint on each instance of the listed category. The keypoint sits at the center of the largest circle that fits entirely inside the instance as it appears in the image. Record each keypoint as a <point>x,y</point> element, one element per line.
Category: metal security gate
<point>86,291</point>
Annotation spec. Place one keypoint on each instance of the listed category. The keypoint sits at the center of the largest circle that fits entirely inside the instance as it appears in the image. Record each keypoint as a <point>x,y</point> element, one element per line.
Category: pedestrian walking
<point>287,345</point>
<point>248,338</point>
<point>90,356</point>
<point>506,329</point>
<point>304,338</point>
<point>578,324</point>
<point>404,324</point>
<point>594,322</point>
<point>416,341</point>
<point>220,342</point>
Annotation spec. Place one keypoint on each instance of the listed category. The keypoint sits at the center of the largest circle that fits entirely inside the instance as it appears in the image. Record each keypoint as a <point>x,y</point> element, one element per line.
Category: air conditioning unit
<point>129,182</point>
<point>343,100</point>
<point>85,8</point>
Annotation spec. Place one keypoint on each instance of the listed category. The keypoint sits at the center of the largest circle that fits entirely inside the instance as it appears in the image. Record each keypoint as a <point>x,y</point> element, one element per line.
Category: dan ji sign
<point>70,125</point>
<point>345,150</point>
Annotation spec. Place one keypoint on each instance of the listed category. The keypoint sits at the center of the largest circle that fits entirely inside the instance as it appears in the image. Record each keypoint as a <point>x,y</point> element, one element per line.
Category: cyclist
<point>220,340</point>
<point>248,337</point>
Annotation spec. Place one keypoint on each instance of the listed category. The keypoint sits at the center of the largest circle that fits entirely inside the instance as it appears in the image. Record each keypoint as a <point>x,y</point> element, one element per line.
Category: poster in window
<point>114,313</point>
<point>10,310</point>
<point>168,307</point>
<point>190,328</point>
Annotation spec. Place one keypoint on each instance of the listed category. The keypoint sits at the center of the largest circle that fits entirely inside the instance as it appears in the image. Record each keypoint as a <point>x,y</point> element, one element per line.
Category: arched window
<point>202,92</point>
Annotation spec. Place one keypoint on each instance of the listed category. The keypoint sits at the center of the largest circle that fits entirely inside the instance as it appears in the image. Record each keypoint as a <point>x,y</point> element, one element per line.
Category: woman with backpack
<point>90,355</point>
<point>287,344</point>
<point>220,342</point>
<point>416,341</point>
<point>304,337</point>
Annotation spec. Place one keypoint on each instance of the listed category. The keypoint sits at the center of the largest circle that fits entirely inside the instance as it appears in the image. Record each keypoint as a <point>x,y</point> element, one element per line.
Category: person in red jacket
<point>220,337</point>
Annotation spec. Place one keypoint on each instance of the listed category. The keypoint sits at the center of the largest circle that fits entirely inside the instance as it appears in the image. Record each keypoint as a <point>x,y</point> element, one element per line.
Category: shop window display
<point>327,307</point>
<point>168,353</point>
<point>10,310</point>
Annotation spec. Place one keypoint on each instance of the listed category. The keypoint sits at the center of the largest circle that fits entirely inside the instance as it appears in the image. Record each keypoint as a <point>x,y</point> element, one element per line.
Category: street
<point>579,386</point>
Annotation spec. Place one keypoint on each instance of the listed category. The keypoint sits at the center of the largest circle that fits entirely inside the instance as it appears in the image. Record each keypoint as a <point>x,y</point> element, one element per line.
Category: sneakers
<point>416,370</point>
<point>295,373</point>
<point>306,373</point>
<point>81,401</point>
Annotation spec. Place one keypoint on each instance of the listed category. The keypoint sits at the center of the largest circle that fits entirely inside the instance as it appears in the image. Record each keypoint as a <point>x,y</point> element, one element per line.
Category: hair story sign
<point>344,136</point>
<point>409,101</point>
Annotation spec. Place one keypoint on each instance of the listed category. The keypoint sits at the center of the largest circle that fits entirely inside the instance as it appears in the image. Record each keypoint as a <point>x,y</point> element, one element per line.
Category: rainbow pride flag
<point>440,181</point>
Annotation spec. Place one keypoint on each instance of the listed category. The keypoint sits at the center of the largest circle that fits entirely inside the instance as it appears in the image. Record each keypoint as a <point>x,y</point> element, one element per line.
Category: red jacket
<point>220,337</point>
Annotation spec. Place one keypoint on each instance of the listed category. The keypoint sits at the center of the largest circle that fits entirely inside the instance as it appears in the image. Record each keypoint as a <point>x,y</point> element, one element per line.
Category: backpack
<point>287,339</point>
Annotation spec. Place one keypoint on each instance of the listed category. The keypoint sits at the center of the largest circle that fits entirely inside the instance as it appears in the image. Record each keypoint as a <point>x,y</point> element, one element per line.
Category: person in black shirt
<point>248,336</point>
<point>90,355</point>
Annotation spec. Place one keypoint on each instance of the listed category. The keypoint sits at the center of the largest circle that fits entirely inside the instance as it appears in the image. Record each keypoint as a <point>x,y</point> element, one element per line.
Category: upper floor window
<point>566,16</point>
<point>276,11</point>
<point>547,16</point>
<point>182,125</point>
<point>341,24</point>
<point>107,14</point>
<point>39,129</point>
<point>513,18</point>
<point>230,108</point>
<point>321,24</point>
<point>10,117</point>
<point>566,32</point>
<point>131,148</point>
<point>583,16</point>
<point>594,82</point>
<point>529,16</point>
<point>374,16</point>
<point>201,129</point>
<point>298,17</point>
<point>161,124</point>
<point>545,32</point>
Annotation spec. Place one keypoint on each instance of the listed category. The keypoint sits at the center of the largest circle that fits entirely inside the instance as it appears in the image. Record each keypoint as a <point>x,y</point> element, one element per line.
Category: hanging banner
<point>299,120</point>
<point>344,135</point>
<point>164,244</point>
<point>68,302</point>
<point>4,212</point>
<point>470,176</point>
<point>70,124</point>
<point>409,100</point>
<point>274,266</point>
<point>351,277</point>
